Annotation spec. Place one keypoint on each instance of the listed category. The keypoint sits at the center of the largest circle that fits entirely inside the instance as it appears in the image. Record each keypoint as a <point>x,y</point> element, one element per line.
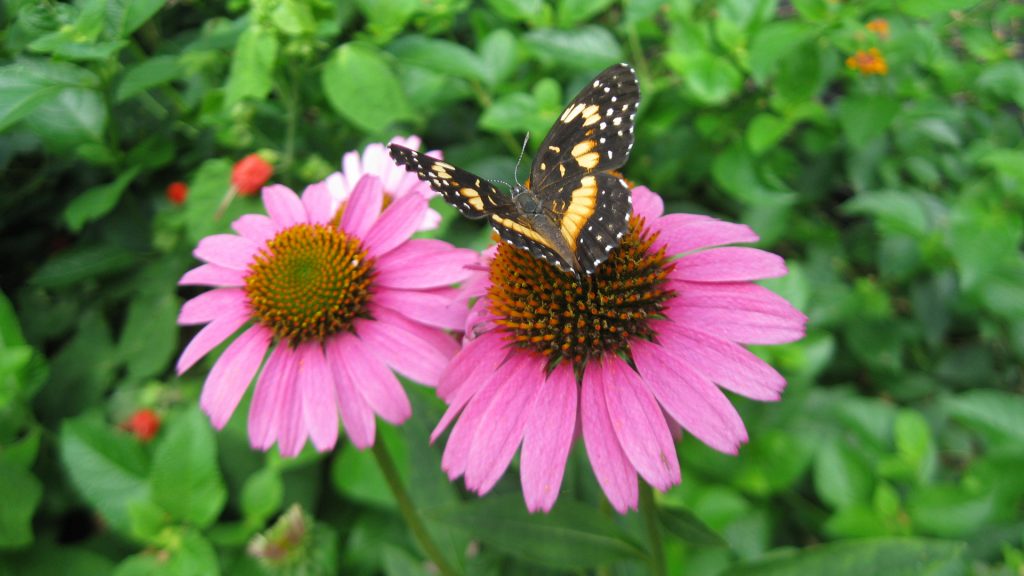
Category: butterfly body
<point>574,212</point>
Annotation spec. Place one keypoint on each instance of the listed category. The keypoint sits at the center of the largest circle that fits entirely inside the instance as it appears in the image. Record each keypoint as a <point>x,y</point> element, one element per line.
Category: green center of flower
<point>310,281</point>
<point>565,317</point>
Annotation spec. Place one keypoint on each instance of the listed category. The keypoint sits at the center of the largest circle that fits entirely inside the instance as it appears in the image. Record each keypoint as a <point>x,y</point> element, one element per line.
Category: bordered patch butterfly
<point>574,212</point>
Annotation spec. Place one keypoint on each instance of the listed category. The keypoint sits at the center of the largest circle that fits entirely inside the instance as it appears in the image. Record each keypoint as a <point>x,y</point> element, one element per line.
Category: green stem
<point>408,509</point>
<point>649,510</point>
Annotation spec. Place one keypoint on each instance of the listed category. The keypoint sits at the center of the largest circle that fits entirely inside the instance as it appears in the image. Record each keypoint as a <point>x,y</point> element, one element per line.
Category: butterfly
<point>574,212</point>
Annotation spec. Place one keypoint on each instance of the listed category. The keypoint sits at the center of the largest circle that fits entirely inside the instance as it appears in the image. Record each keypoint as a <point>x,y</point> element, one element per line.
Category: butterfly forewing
<point>474,196</point>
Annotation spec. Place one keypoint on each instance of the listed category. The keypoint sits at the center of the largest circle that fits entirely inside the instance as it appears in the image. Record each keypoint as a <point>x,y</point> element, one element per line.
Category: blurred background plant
<point>877,145</point>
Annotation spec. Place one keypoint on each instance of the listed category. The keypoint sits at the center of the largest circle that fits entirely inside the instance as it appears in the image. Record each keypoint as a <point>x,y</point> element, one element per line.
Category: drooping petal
<point>209,338</point>
<point>438,308</point>
<point>360,424</point>
<point>375,159</point>
<point>683,233</point>
<point>363,207</point>
<point>466,375</point>
<point>395,225</point>
<point>424,263</point>
<point>548,439</point>
<point>646,203</point>
<point>639,425</point>
<point>232,374</point>
<point>212,275</point>
<point>727,364</point>
<point>416,351</point>
<point>729,264</point>
<point>212,304</point>
<point>613,470</point>
<point>319,401</point>
<point>747,318</point>
<point>690,398</point>
<point>376,382</point>
<point>316,199</point>
<point>256,227</point>
<point>226,250</point>
<point>495,443</point>
<point>275,413</point>
<point>283,206</point>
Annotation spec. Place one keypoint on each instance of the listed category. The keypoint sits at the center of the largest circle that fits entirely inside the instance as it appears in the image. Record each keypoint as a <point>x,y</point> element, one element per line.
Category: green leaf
<point>27,84</point>
<point>294,18</point>
<point>185,477</point>
<point>950,511</point>
<point>889,556</point>
<point>929,8</point>
<point>572,537</point>
<point>498,54</point>
<point>587,48</point>
<point>188,554</point>
<point>98,201</point>
<point>252,66</point>
<point>683,524</point>
<point>108,468</point>
<point>74,117</point>
<point>518,10</point>
<point>510,113</point>
<point>842,477</point>
<point>77,264</point>
<point>150,335</point>
<point>1004,80</point>
<point>894,211</point>
<point>574,12</point>
<point>774,42</point>
<point>386,18</point>
<point>145,75</point>
<point>127,16</point>
<point>864,118</point>
<point>441,56</point>
<point>710,79</point>
<point>19,499</point>
<point>765,131</point>
<point>996,414</point>
<point>262,496</point>
<point>361,87</point>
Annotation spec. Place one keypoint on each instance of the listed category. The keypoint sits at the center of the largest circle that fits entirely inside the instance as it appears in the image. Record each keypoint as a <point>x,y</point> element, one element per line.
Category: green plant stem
<point>650,513</point>
<point>408,509</point>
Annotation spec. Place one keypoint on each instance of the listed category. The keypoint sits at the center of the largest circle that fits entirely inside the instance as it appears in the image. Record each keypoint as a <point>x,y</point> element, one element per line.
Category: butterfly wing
<point>594,217</point>
<point>474,196</point>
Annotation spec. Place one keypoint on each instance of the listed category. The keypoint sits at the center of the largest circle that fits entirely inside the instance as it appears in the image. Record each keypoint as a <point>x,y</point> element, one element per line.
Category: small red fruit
<point>177,192</point>
<point>250,174</point>
<point>144,424</point>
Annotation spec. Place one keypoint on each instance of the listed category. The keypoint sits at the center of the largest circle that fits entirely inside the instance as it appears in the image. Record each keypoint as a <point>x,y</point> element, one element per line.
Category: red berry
<point>250,174</point>
<point>144,424</point>
<point>176,192</point>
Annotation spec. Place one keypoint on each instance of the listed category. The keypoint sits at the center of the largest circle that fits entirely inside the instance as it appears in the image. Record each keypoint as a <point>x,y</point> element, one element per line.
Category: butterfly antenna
<point>521,154</point>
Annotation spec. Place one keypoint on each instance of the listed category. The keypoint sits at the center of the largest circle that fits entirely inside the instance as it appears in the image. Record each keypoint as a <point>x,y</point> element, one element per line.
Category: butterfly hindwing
<point>474,196</point>
<point>593,134</point>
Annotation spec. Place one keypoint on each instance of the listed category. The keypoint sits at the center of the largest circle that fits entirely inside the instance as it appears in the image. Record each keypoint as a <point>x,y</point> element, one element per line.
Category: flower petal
<point>276,410</point>
<point>256,227</point>
<point>468,371</point>
<point>424,263</point>
<point>730,264</point>
<point>548,439</point>
<point>283,206</point>
<point>316,199</point>
<point>360,424</point>
<point>438,308</point>
<point>395,225</point>
<point>729,365</point>
<point>639,425</point>
<point>613,470</point>
<point>495,444</point>
<point>683,233</point>
<point>209,338</point>
<point>377,383</point>
<point>363,207</point>
<point>747,317</point>
<point>212,275</point>
<point>212,304</point>
<point>319,402</point>
<point>232,374</point>
<point>690,398</point>
<point>418,352</point>
<point>646,203</point>
<point>226,251</point>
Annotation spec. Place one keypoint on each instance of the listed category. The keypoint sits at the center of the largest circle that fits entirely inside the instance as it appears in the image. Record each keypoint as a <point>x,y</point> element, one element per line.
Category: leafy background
<point>897,199</point>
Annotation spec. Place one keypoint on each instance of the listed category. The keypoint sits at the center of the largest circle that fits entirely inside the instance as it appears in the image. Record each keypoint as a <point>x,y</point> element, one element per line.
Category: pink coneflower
<point>639,347</point>
<point>338,301</point>
<point>397,181</point>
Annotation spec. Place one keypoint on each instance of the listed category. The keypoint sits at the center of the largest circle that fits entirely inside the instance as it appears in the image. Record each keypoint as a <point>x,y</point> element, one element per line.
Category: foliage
<point>894,191</point>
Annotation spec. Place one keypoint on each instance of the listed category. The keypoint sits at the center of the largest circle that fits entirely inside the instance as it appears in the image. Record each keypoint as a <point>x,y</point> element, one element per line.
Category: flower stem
<point>650,513</point>
<point>408,509</point>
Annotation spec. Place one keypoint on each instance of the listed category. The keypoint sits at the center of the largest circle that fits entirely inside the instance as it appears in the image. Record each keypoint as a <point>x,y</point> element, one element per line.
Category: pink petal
<point>746,318</point>
<point>283,206</point>
<point>376,382</point>
<point>640,425</point>
<point>360,424</point>
<point>352,166</point>
<point>730,264</point>
<point>416,351</point>
<point>232,374</point>
<point>212,275</point>
<point>683,233</point>
<point>424,263</point>
<point>316,199</point>
<point>727,364</point>
<point>466,374</point>
<point>319,403</point>
<point>209,338</point>
<point>395,225</point>
<point>276,410</point>
<point>613,470</point>
<point>226,251</point>
<point>363,207</point>
<point>548,439</point>
<point>212,304</point>
<point>437,308</point>
<point>646,203</point>
<point>375,159</point>
<point>494,445</point>
<point>690,398</point>
<point>255,227</point>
